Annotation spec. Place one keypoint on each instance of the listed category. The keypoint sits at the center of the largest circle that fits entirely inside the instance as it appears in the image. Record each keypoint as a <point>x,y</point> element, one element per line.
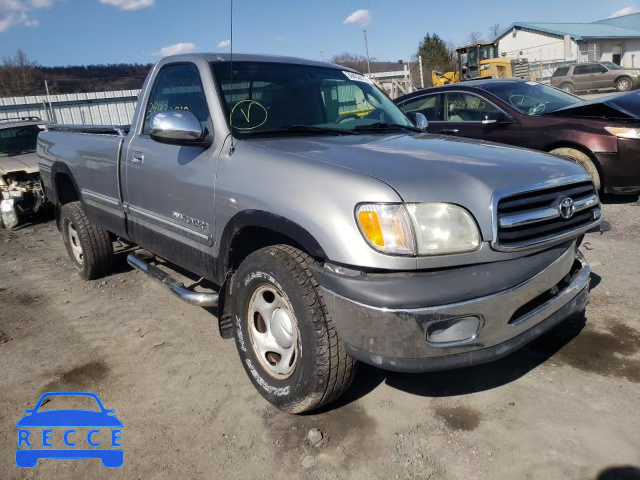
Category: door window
<point>596,68</point>
<point>466,107</point>
<point>426,105</point>
<point>178,87</point>
<point>561,72</point>
<point>581,69</point>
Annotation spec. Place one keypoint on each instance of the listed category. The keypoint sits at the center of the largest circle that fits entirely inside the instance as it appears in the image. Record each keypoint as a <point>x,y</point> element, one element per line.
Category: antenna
<point>232,147</point>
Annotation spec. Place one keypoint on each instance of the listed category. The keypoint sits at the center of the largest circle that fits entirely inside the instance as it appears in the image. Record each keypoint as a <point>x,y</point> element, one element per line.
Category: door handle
<point>137,158</point>
<point>449,130</point>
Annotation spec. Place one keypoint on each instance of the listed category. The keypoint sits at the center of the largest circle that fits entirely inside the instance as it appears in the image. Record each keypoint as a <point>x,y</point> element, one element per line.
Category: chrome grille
<point>542,216</point>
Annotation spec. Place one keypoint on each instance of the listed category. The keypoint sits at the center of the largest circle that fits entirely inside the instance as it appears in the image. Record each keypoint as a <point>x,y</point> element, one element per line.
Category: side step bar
<point>138,260</point>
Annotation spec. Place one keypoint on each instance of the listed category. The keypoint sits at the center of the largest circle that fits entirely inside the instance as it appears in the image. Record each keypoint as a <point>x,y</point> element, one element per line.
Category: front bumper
<point>396,339</point>
<point>621,169</point>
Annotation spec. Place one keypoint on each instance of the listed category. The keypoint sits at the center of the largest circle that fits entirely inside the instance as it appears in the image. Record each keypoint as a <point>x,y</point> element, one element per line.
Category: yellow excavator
<point>481,60</point>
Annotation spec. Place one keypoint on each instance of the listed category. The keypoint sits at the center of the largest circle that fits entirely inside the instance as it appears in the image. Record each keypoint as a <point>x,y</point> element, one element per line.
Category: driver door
<point>170,188</point>
<point>600,76</point>
<point>463,116</point>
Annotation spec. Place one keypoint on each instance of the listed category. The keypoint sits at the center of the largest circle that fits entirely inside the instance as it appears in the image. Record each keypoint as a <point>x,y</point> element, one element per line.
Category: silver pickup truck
<point>334,229</point>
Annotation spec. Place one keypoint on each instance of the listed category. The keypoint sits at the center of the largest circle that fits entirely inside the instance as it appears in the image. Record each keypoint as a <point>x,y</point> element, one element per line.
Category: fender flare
<point>60,167</point>
<point>271,221</point>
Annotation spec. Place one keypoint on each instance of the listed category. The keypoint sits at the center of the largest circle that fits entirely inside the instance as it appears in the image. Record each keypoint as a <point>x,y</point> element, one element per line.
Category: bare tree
<point>474,37</point>
<point>494,31</point>
<point>352,60</point>
<point>19,76</point>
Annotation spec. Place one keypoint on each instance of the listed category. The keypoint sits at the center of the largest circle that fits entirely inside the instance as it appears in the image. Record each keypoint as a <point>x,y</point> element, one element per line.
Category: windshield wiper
<point>304,129</point>
<point>387,126</point>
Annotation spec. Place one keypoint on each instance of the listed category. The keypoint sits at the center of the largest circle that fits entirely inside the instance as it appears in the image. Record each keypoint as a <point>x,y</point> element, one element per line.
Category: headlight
<point>443,228</point>
<point>419,228</point>
<point>623,132</point>
<point>8,213</point>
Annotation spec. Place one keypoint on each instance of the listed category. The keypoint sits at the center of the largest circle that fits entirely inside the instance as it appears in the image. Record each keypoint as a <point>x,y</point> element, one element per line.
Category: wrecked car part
<point>8,213</point>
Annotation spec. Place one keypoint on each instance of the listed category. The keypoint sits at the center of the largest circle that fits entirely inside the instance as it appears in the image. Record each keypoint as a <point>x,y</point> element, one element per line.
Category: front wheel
<point>284,334</point>
<point>567,87</point>
<point>624,84</point>
<point>583,160</point>
<point>89,247</point>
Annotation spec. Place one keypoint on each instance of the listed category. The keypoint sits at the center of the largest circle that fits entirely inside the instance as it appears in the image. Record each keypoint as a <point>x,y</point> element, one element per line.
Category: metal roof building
<point>95,108</point>
<point>615,40</point>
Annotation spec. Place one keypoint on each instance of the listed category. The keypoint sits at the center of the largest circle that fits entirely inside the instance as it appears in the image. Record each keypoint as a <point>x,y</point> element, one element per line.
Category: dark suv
<point>594,76</point>
<point>601,135</point>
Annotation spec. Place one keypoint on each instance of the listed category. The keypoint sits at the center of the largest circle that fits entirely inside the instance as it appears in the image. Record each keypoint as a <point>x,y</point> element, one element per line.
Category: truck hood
<point>27,162</point>
<point>434,168</point>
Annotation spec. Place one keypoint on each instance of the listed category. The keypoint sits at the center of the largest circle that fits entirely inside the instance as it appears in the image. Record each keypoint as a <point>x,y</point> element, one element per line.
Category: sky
<point>78,32</point>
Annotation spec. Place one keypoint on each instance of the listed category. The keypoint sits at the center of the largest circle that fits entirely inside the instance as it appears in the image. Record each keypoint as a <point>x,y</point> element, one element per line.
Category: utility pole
<point>53,115</point>
<point>421,73</point>
<point>366,47</point>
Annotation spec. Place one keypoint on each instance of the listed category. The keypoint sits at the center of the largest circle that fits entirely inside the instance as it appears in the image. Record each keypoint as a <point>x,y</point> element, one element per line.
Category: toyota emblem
<point>566,207</point>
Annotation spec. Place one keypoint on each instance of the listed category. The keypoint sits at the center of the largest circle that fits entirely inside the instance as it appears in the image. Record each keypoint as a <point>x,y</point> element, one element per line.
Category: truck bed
<point>91,154</point>
<point>120,130</point>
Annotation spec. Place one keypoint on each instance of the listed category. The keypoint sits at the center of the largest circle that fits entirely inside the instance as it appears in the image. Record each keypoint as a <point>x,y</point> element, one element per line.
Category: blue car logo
<point>104,430</point>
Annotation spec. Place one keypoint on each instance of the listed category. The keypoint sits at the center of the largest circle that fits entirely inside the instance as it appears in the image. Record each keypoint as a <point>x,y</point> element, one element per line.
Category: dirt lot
<point>566,406</point>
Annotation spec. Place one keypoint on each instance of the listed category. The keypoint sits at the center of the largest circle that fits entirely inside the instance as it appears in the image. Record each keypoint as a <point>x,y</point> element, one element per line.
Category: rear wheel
<point>89,247</point>
<point>583,160</point>
<point>624,84</point>
<point>284,334</point>
<point>567,87</point>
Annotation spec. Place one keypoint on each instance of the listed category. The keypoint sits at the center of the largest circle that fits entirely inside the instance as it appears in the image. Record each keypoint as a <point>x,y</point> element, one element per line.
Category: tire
<point>89,247</point>
<point>567,87</point>
<point>624,84</point>
<point>278,279</point>
<point>583,160</point>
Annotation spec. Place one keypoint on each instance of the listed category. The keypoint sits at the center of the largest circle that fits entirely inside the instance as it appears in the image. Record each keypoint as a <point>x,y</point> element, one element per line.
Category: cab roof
<point>253,57</point>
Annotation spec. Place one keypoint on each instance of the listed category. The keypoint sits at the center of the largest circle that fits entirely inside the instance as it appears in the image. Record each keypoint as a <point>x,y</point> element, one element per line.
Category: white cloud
<point>625,11</point>
<point>16,12</point>
<point>41,3</point>
<point>363,17</point>
<point>129,4</point>
<point>224,44</point>
<point>176,49</point>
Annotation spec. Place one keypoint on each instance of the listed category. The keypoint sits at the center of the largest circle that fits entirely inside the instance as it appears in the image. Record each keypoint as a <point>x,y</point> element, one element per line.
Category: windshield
<point>487,52</point>
<point>472,59</point>
<point>14,141</point>
<point>267,97</point>
<point>612,66</point>
<point>531,98</point>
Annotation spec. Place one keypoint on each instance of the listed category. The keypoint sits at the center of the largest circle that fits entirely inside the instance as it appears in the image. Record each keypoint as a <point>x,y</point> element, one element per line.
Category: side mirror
<point>419,120</point>
<point>177,127</point>
<point>498,117</point>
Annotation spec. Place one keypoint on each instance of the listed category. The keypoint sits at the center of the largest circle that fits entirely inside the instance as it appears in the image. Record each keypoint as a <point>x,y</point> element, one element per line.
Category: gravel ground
<point>566,406</point>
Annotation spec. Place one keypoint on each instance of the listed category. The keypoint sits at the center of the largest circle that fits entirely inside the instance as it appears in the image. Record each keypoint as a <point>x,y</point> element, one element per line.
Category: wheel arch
<point>64,188</point>
<point>63,185</point>
<point>241,236</point>
<point>580,148</point>
<point>623,75</point>
<point>247,232</point>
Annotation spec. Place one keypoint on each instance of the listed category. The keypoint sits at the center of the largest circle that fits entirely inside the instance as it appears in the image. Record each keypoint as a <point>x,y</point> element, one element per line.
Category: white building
<point>547,45</point>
